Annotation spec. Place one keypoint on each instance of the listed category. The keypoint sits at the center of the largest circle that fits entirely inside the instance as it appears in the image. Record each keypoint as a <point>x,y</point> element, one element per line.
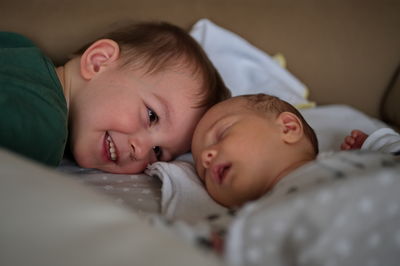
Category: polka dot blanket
<point>342,209</point>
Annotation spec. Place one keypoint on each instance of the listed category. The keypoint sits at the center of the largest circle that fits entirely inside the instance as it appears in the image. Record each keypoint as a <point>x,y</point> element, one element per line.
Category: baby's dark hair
<point>270,104</point>
<point>161,45</point>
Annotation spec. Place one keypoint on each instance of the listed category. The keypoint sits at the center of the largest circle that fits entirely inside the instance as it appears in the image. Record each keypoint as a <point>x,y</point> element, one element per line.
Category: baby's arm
<point>354,141</point>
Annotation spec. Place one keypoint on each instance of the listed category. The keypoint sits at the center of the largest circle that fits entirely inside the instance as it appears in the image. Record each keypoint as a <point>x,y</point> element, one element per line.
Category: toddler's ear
<point>98,56</point>
<point>291,127</point>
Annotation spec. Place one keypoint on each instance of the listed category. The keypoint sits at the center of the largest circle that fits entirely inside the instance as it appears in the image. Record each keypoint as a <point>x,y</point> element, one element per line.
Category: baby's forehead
<point>230,108</point>
<point>236,104</point>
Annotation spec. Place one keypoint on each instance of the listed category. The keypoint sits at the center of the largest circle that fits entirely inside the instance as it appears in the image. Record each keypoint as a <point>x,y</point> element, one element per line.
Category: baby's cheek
<point>223,196</point>
<point>213,192</point>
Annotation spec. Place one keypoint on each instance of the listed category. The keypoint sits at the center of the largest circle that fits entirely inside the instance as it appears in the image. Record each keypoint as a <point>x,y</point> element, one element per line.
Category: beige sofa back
<point>346,51</point>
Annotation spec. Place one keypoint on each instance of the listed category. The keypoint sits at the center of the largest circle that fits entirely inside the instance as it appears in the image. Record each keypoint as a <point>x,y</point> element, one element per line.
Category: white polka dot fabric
<point>141,193</point>
<point>343,209</point>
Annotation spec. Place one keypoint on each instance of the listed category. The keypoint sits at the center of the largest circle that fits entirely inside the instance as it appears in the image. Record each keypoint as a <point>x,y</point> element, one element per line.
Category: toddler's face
<point>123,119</point>
<point>237,152</point>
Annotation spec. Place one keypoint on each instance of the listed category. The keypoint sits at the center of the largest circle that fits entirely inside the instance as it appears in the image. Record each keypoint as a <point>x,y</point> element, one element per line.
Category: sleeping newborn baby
<point>244,145</point>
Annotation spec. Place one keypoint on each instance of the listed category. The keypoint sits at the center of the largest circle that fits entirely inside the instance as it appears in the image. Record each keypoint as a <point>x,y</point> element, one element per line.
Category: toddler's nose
<point>141,149</point>
<point>207,156</point>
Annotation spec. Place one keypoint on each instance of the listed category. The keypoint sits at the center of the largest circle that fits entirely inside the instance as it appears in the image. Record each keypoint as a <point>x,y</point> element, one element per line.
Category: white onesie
<point>384,139</point>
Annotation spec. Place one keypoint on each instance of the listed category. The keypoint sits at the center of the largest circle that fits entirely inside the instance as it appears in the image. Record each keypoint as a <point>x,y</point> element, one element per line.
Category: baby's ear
<point>291,127</point>
<point>98,56</point>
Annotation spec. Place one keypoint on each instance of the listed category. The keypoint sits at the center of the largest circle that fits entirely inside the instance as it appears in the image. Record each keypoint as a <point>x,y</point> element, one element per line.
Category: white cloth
<point>183,195</point>
<point>384,140</point>
<point>246,69</point>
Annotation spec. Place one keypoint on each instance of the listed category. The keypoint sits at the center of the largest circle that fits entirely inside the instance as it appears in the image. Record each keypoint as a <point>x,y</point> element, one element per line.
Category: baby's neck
<point>290,168</point>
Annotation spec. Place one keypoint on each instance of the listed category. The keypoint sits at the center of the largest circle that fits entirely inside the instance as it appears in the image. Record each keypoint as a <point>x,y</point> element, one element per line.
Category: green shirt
<point>33,109</point>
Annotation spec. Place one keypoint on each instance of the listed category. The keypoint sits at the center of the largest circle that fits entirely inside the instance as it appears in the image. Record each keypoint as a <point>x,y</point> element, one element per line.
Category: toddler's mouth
<point>220,171</point>
<point>110,148</point>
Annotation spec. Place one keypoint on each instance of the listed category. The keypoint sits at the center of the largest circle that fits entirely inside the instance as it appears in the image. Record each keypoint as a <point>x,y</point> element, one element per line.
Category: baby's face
<point>237,152</point>
<point>123,119</point>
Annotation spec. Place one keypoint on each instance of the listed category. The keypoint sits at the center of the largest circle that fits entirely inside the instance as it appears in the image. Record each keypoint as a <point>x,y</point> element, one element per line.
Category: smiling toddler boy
<point>126,100</point>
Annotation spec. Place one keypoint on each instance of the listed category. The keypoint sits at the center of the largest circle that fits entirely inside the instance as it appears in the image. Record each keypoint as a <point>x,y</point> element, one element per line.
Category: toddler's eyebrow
<point>166,121</point>
<point>166,110</point>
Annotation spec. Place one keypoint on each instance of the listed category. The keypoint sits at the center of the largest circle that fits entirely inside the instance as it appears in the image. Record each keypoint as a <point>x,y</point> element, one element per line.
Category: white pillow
<point>246,69</point>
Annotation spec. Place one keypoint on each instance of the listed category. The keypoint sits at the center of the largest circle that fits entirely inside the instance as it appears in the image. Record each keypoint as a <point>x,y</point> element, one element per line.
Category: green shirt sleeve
<point>33,110</point>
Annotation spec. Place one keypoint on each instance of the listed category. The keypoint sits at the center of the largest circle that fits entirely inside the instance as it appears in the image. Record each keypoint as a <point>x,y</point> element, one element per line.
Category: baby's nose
<point>207,157</point>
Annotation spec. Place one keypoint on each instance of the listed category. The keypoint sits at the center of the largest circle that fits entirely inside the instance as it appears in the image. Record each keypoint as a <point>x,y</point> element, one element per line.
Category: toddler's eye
<point>153,117</point>
<point>158,152</point>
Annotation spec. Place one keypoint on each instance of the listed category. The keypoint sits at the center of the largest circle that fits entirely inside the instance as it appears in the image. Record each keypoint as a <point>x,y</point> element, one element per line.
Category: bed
<point>339,77</point>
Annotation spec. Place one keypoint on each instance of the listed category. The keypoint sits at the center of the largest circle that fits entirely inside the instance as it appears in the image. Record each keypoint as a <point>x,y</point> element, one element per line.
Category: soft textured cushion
<point>49,219</point>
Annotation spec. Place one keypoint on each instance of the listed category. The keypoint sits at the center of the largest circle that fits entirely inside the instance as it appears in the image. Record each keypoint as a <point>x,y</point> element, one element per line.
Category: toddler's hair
<point>267,104</point>
<point>157,46</point>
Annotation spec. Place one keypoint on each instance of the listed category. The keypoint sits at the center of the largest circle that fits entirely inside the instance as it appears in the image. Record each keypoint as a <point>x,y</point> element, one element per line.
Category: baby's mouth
<point>220,171</point>
<point>111,149</point>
